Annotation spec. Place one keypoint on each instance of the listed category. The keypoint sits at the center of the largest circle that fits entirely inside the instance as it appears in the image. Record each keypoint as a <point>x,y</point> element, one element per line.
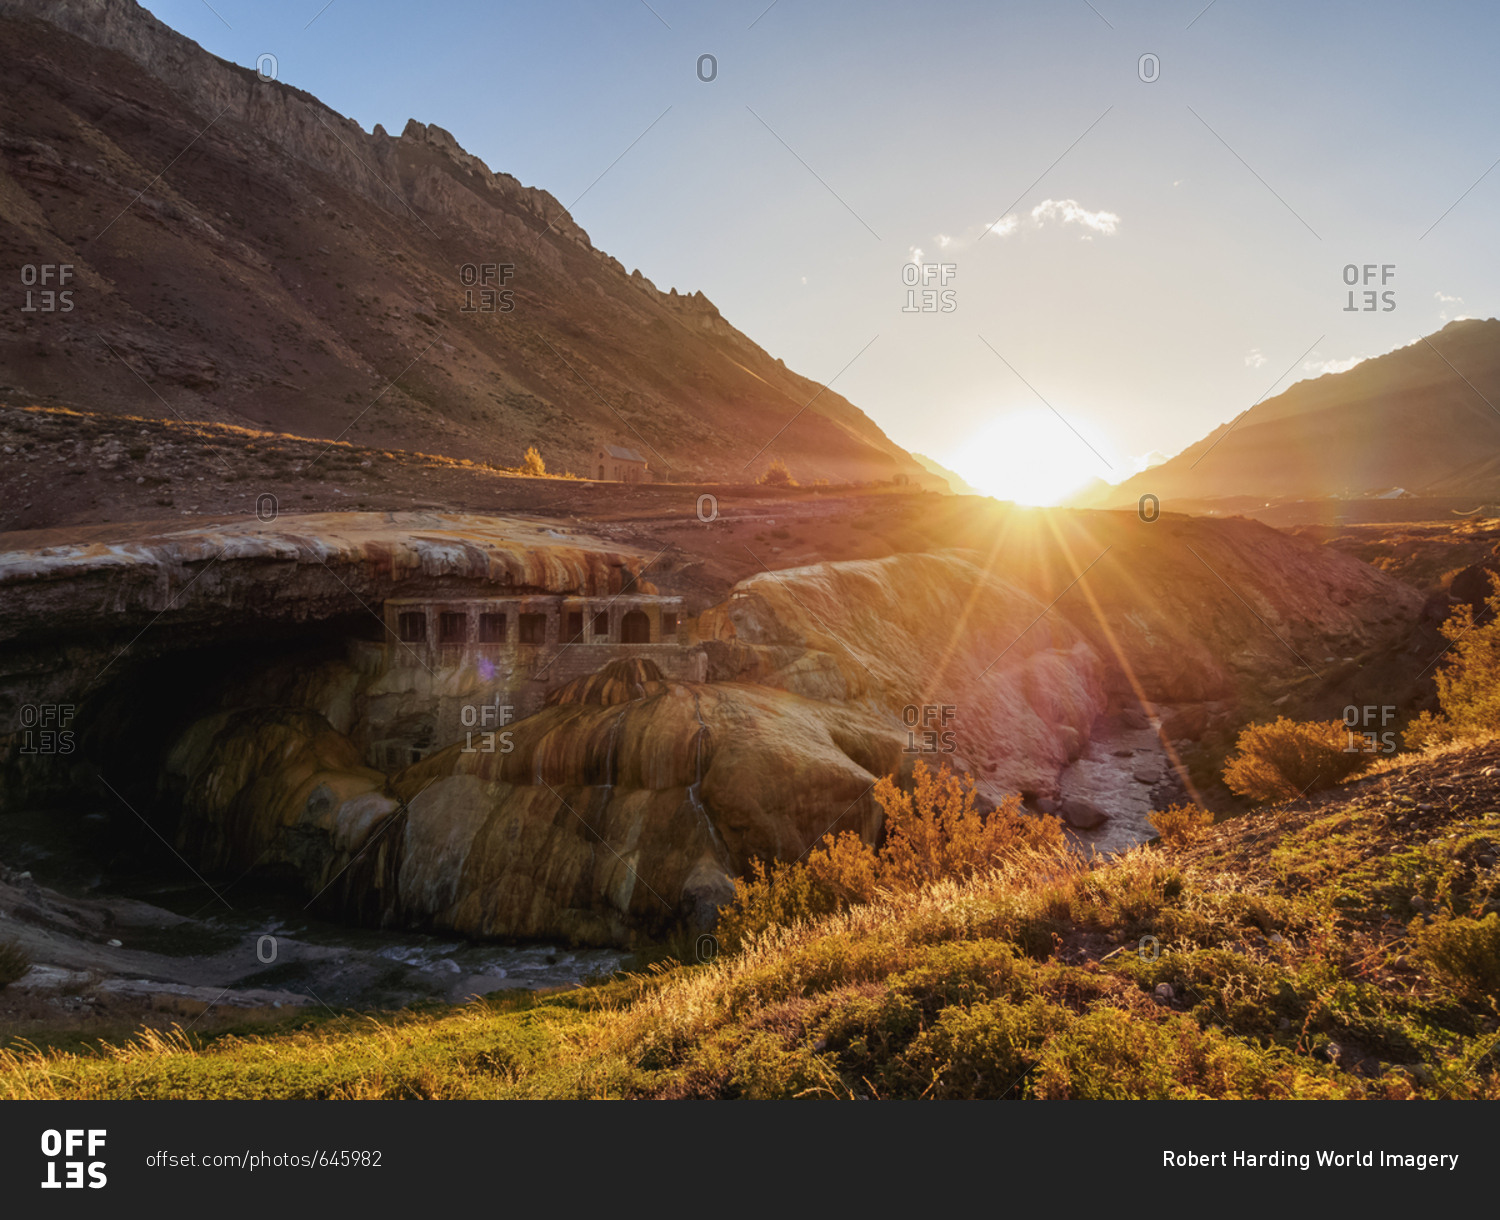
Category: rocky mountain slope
<point>238,252</point>
<point>1425,418</point>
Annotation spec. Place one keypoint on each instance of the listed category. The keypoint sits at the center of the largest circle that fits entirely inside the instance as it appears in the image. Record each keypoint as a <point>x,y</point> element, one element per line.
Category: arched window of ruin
<point>635,628</point>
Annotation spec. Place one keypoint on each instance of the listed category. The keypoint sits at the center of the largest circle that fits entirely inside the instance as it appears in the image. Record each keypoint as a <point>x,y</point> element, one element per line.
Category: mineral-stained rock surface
<point>281,791</point>
<point>630,802</point>
<point>627,804</point>
<point>970,664</point>
<point>74,612</point>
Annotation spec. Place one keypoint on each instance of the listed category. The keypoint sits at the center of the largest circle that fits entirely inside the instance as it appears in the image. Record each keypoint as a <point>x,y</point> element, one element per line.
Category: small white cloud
<point>1063,211</point>
<point>1254,360</point>
<point>1318,367</point>
<point>1179,181</point>
<point>1070,211</point>
<point>804,279</point>
<point>915,253</point>
<point>1445,299</point>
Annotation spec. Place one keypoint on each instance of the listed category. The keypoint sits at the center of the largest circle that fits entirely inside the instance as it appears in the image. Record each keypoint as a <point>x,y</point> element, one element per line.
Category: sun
<point>1030,457</point>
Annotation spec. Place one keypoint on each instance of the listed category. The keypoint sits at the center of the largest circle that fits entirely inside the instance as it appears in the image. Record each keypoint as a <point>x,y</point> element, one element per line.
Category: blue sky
<point>1145,282</point>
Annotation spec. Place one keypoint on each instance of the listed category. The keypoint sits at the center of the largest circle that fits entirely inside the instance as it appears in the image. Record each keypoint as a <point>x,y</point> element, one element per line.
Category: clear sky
<point>1151,255</point>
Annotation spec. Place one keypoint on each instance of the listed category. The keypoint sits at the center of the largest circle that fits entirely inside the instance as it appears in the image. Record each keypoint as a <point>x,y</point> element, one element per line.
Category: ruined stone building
<point>456,668</point>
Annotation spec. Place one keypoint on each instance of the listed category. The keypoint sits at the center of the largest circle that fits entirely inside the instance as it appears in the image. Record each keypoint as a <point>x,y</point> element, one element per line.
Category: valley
<point>435,661</point>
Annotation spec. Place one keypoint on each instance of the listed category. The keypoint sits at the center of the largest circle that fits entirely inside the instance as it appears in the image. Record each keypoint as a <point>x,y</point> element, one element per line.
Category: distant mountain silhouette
<point>1424,418</point>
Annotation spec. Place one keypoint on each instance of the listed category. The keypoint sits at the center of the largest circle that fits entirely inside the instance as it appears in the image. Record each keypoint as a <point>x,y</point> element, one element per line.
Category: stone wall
<point>453,685</point>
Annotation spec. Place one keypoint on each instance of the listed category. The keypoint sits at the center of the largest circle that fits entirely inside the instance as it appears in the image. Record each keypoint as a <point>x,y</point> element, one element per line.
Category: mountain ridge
<point>282,267</point>
<point>1412,418</point>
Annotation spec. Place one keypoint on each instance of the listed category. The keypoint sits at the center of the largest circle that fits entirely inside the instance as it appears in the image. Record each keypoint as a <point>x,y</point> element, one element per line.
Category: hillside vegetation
<point>1340,946</point>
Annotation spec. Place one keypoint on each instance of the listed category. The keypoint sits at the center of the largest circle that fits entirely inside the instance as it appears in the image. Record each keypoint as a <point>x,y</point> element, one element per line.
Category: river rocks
<point>191,1001</point>
<point>1082,814</point>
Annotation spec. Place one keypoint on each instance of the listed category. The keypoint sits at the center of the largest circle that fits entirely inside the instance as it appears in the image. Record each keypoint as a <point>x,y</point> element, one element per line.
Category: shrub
<point>13,963</point>
<point>776,475</point>
<point>1468,684</point>
<point>932,833</point>
<point>935,831</point>
<point>532,463</point>
<point>1465,951</point>
<point>1285,759</point>
<point>1181,823</point>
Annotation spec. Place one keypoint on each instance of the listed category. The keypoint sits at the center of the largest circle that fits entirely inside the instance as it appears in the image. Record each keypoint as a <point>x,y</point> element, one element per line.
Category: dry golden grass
<point>1037,975</point>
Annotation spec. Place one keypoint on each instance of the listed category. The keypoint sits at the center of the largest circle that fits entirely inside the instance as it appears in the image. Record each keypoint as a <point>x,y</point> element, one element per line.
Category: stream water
<point>1108,773</point>
<point>244,934</point>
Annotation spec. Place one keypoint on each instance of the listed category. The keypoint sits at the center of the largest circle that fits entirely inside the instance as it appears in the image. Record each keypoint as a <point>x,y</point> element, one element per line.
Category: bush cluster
<point>933,832</point>
<point>776,475</point>
<point>1181,823</point>
<point>1464,951</point>
<point>1288,758</point>
<point>1468,684</point>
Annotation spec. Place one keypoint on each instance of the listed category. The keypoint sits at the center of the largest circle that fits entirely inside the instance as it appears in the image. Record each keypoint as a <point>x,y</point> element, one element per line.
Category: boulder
<point>1082,814</point>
